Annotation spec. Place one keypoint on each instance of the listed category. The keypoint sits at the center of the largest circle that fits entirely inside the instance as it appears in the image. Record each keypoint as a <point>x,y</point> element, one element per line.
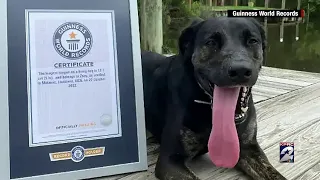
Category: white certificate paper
<point>72,76</point>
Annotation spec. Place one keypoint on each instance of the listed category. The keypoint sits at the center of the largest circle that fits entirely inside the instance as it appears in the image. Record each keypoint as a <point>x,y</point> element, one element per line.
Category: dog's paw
<point>258,167</point>
<point>173,171</point>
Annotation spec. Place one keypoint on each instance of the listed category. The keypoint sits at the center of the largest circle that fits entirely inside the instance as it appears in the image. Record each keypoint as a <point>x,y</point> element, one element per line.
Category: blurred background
<point>161,22</point>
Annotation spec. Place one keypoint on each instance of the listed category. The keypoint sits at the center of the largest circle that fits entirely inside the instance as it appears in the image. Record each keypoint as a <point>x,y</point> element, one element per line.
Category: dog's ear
<point>187,37</point>
<point>263,36</point>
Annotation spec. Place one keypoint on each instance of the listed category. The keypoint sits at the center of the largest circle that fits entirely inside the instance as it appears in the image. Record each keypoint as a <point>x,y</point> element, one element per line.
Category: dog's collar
<point>203,102</point>
<point>205,91</point>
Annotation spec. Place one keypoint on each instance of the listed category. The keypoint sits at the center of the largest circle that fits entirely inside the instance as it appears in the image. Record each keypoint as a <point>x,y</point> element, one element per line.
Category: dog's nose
<point>240,71</point>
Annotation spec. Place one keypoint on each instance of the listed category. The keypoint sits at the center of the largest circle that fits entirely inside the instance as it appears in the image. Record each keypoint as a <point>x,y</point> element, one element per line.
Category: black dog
<point>200,100</point>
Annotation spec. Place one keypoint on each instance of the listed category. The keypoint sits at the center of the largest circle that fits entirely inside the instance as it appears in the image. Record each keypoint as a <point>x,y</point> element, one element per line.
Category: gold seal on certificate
<point>72,77</point>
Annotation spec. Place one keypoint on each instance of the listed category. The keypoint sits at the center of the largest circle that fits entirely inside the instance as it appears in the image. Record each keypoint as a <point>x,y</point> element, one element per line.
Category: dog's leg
<point>171,161</point>
<point>254,163</point>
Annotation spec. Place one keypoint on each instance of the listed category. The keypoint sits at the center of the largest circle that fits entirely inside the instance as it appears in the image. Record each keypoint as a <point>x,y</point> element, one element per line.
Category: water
<point>303,55</point>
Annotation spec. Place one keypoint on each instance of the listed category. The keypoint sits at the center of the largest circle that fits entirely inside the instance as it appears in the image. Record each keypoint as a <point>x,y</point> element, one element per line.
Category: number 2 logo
<point>287,154</point>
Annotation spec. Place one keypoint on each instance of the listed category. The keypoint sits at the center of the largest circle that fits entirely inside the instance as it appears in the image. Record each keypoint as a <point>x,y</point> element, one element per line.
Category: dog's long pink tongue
<point>223,143</point>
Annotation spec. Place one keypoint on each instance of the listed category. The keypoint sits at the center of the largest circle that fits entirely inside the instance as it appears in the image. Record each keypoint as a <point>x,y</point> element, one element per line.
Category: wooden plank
<point>269,87</point>
<point>258,98</point>
<point>282,82</point>
<point>261,94</point>
<point>146,175</point>
<point>288,102</point>
<point>290,74</point>
<point>286,87</point>
<point>307,150</point>
<point>269,91</point>
<point>258,91</point>
<point>153,150</point>
<point>311,174</point>
<point>284,115</point>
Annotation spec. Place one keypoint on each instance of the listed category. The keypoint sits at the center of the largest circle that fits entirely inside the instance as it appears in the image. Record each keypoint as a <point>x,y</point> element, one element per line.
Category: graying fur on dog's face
<point>219,44</point>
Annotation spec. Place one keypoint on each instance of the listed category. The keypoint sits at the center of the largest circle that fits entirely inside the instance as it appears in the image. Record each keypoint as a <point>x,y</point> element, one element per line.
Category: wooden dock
<point>288,109</point>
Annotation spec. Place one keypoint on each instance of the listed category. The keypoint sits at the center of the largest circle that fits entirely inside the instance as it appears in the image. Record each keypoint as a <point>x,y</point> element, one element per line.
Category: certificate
<point>73,90</point>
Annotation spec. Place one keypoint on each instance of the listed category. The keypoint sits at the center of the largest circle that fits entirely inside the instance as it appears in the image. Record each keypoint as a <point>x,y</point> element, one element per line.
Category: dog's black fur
<point>219,51</point>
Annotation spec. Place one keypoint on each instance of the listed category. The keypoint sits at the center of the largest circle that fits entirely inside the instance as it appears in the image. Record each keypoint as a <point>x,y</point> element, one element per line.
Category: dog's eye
<point>214,41</point>
<point>252,41</point>
<point>211,42</point>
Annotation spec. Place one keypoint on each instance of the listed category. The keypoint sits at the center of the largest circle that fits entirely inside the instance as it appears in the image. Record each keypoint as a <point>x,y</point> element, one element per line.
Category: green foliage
<point>314,7</point>
<point>309,47</point>
<point>197,8</point>
<point>251,3</point>
<point>176,16</point>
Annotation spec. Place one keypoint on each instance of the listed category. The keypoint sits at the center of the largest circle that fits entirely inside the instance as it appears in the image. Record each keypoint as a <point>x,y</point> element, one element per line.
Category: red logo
<point>286,144</point>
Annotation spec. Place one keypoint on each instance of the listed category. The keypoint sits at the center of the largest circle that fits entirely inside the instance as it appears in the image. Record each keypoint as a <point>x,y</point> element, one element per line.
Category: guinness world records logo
<point>77,154</point>
<point>72,40</point>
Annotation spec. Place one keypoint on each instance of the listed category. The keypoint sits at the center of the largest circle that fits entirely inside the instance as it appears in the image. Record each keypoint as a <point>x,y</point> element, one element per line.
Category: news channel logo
<point>286,152</point>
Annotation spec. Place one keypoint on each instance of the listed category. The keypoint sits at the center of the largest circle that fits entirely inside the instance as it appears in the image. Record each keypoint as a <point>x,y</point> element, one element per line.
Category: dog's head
<point>225,51</point>
<point>226,55</point>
